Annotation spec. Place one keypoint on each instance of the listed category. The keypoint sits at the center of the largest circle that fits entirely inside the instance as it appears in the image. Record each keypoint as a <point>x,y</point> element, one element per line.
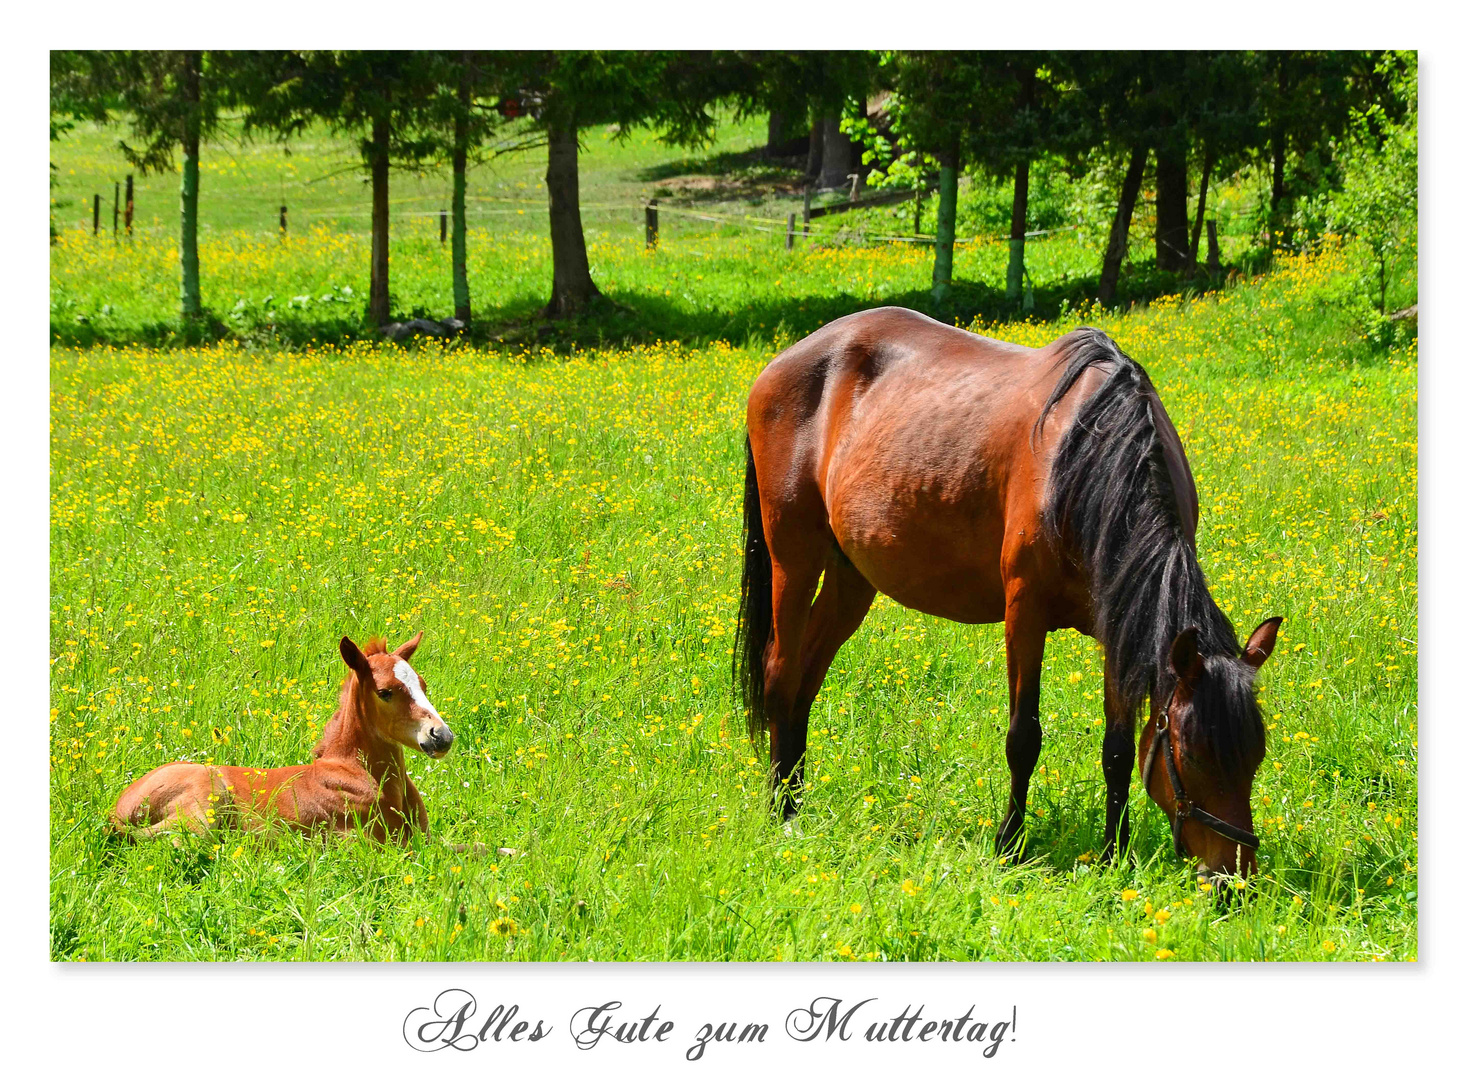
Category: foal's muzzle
<point>435,742</point>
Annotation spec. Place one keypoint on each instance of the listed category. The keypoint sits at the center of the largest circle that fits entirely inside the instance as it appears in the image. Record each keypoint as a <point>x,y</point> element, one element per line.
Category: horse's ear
<point>355,660</point>
<point>1183,656</point>
<point>405,650</point>
<point>1262,642</point>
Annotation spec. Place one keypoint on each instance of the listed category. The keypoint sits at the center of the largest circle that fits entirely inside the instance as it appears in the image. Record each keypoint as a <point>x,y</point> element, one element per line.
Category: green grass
<point>565,529</point>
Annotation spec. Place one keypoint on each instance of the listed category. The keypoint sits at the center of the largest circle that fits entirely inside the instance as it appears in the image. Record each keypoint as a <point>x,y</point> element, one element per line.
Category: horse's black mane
<point>1111,501</point>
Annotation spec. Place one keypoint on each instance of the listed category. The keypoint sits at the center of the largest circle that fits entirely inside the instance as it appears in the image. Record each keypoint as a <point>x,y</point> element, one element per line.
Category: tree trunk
<point>379,310</point>
<point>943,252</point>
<point>1277,185</point>
<point>1117,242</point>
<point>1277,189</point>
<point>1193,242</point>
<point>774,133</point>
<point>189,301</point>
<point>572,288</point>
<point>1015,275</point>
<point>459,244</point>
<point>1277,155</point>
<point>837,158</point>
<point>813,155</point>
<point>1171,234</point>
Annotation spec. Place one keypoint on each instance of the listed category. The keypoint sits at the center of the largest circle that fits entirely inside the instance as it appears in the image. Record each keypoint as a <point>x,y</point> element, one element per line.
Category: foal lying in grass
<point>358,779</point>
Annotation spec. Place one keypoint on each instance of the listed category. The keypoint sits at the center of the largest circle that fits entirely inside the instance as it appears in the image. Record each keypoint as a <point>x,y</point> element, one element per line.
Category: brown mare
<point>358,779</point>
<point>982,481</point>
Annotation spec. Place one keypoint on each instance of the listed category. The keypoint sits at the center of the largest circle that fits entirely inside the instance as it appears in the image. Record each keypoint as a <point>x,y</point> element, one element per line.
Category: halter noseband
<point>1183,806</point>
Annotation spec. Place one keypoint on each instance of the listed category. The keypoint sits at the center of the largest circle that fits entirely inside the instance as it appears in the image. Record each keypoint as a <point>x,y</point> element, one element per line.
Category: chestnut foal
<point>357,780</point>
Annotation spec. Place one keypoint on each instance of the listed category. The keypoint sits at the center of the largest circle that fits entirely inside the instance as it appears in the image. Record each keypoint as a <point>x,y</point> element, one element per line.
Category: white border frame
<point>1088,1019</point>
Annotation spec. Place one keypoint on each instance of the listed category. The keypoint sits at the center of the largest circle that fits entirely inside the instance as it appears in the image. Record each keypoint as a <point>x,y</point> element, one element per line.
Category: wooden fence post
<point>283,221</point>
<point>127,210</point>
<point>918,213</point>
<point>1213,265</point>
<point>806,214</point>
<point>96,213</point>
<point>650,224</point>
<point>115,199</point>
<point>791,230</point>
<point>443,226</point>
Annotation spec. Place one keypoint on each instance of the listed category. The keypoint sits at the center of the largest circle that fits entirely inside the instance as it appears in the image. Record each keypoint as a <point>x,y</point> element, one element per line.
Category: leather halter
<point>1183,806</point>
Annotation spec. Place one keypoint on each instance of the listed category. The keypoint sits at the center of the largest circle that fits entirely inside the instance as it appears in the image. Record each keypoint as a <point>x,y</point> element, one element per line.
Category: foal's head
<point>1217,739</point>
<point>393,698</point>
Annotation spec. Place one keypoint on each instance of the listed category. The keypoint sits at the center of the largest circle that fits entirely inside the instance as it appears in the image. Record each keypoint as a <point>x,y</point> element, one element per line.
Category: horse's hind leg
<point>1025,646</point>
<point>176,822</point>
<point>168,799</point>
<point>795,572</point>
<point>840,608</point>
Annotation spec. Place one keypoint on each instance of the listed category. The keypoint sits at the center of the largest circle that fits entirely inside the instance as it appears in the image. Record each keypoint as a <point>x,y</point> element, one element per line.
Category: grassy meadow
<point>563,523</point>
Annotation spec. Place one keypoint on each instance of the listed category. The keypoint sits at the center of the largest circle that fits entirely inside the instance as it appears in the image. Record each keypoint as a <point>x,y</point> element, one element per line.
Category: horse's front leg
<point>1118,752</point>
<point>1025,646</point>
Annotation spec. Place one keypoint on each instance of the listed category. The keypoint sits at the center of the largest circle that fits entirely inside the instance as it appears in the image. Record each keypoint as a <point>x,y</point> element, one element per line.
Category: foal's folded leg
<point>169,799</point>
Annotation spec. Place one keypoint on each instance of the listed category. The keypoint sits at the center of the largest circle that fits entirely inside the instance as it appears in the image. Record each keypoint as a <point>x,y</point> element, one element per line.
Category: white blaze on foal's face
<point>405,674</point>
<point>432,735</point>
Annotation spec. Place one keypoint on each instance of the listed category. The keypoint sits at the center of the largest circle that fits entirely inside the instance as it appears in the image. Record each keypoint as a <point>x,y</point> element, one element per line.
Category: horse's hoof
<point>1010,846</point>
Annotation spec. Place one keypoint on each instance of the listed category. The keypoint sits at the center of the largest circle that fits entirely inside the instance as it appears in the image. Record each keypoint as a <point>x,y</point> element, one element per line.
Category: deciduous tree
<point>381,96</point>
<point>168,100</point>
<point>566,91</point>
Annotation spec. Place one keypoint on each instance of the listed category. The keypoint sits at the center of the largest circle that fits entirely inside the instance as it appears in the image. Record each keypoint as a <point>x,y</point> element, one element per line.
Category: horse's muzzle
<point>436,741</point>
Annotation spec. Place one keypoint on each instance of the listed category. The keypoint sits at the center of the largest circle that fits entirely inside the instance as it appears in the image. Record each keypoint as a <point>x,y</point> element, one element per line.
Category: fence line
<point>751,222</point>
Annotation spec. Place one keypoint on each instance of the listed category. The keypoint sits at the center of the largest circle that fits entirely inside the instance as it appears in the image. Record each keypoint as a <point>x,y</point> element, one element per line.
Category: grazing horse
<point>358,779</point>
<point>983,482</point>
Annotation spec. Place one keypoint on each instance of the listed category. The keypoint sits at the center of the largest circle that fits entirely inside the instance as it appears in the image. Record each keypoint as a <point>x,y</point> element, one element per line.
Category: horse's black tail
<point>752,629</point>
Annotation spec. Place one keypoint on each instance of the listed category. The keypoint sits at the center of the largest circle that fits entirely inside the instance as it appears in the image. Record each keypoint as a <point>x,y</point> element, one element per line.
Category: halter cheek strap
<point>1183,806</point>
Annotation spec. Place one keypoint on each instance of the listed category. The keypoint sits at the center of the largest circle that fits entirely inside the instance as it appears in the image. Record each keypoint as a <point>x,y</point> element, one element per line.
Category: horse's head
<point>393,698</point>
<point>1201,767</point>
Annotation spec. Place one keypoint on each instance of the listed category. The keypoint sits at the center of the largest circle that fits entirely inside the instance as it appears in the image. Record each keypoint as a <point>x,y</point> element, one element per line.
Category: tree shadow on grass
<point>633,317</point>
<point>722,164</point>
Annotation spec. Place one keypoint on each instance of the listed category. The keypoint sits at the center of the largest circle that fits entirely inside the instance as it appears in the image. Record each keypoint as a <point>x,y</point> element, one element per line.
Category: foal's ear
<point>355,660</point>
<point>1262,642</point>
<point>405,650</point>
<point>1183,656</point>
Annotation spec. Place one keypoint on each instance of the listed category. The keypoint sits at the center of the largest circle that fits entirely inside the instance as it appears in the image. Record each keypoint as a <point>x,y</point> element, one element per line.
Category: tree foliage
<point>170,101</point>
<point>147,91</point>
<point>1378,198</point>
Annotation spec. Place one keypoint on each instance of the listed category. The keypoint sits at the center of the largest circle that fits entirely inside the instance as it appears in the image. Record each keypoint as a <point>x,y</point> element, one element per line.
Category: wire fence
<point>491,207</point>
<point>750,222</point>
